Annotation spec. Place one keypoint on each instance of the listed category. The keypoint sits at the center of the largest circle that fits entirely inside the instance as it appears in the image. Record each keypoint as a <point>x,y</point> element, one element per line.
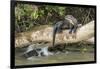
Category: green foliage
<point>28,16</point>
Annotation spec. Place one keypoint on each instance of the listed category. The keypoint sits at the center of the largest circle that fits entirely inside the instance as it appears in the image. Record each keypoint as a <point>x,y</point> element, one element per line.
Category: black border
<point>12,36</point>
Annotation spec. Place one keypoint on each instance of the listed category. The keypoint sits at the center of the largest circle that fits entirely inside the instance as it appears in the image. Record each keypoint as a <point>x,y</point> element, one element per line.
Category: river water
<point>76,55</point>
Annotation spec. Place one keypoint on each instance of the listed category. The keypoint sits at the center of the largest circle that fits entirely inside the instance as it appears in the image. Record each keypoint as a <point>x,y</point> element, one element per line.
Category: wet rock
<point>41,50</point>
<point>30,54</point>
<point>35,51</point>
<point>38,49</point>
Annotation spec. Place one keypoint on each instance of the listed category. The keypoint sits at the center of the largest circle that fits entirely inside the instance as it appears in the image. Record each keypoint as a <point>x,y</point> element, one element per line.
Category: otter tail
<point>54,35</point>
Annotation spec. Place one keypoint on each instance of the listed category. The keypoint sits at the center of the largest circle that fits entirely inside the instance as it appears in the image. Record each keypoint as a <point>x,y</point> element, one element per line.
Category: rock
<point>30,53</point>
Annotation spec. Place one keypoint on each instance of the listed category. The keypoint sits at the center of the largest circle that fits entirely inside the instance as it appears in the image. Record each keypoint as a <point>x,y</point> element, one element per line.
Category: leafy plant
<point>28,16</point>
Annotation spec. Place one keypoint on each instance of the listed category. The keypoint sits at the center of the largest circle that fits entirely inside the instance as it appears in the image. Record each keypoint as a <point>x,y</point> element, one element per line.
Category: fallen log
<point>91,40</point>
<point>45,34</point>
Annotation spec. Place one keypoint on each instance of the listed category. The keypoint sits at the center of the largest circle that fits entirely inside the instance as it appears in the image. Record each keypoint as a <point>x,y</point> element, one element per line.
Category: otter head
<point>69,18</point>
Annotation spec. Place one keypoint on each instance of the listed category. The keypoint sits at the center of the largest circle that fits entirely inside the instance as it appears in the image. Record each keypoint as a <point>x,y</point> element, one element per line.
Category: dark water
<point>70,56</point>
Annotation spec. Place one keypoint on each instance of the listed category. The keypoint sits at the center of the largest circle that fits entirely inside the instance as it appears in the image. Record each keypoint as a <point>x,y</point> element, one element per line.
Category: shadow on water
<point>67,53</point>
